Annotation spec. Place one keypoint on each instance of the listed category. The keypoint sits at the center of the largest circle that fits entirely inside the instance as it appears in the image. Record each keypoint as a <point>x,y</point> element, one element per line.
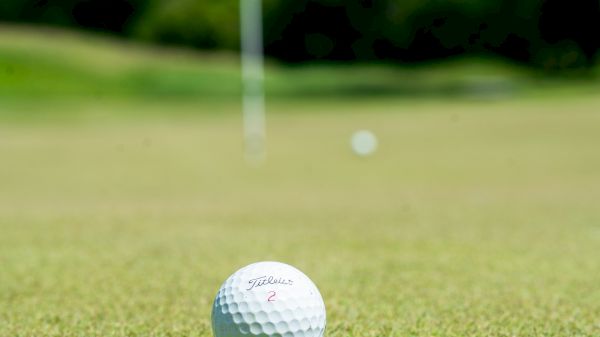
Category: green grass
<point>473,219</point>
<point>51,64</point>
<point>120,215</point>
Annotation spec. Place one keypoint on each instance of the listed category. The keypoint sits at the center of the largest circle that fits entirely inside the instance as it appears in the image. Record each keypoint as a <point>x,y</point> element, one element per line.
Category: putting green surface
<point>473,218</point>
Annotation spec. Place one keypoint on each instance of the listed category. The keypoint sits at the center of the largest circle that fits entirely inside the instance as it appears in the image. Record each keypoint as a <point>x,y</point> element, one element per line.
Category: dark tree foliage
<point>553,34</point>
<point>106,15</point>
<point>572,30</point>
<point>314,31</point>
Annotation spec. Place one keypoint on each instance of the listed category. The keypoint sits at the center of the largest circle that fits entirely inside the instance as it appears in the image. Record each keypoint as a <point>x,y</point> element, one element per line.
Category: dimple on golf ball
<point>364,143</point>
<point>268,299</point>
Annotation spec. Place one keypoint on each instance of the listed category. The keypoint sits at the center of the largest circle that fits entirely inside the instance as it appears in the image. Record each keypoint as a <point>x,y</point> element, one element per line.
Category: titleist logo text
<point>268,280</point>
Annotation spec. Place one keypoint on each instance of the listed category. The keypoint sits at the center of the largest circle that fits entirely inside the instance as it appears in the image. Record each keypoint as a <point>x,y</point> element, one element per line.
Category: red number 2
<point>271,298</point>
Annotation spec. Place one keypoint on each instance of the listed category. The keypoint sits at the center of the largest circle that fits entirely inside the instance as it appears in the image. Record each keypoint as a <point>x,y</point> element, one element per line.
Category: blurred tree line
<point>551,34</point>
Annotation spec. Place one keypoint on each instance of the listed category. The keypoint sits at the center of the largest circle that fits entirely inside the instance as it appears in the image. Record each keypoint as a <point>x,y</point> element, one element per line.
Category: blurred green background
<point>550,34</point>
<point>186,49</point>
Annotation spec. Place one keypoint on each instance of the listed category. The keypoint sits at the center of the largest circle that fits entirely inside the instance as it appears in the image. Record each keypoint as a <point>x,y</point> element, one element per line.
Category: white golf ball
<point>364,143</point>
<point>268,299</point>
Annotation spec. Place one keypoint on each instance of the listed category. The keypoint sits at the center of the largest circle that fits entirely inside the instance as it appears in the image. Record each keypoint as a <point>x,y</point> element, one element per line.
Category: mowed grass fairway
<point>473,219</point>
<point>125,201</point>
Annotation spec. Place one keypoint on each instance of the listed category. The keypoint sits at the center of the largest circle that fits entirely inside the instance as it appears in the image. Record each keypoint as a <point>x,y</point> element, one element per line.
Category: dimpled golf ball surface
<point>269,299</point>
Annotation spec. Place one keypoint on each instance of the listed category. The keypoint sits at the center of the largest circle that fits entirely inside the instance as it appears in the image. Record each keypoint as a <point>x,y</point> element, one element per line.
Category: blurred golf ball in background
<point>268,299</point>
<point>364,143</point>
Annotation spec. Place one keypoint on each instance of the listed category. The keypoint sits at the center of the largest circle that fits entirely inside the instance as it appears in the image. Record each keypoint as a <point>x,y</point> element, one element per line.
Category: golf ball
<point>268,299</point>
<point>364,143</point>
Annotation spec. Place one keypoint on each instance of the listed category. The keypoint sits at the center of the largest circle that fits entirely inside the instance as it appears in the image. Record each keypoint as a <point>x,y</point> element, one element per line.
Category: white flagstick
<point>253,78</point>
